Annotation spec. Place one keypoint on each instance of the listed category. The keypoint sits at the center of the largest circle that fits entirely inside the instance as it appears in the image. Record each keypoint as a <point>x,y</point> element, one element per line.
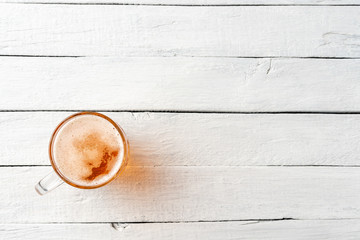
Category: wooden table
<point>243,117</point>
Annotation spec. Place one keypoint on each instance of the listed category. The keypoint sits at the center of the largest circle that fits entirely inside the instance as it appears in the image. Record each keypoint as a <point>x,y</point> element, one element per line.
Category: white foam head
<point>88,150</point>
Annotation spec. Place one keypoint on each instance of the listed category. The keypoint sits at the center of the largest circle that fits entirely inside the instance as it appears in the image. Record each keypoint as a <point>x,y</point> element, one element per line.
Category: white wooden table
<point>242,115</point>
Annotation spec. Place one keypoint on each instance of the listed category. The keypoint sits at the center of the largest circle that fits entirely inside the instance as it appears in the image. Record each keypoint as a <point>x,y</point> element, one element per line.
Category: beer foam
<point>88,150</point>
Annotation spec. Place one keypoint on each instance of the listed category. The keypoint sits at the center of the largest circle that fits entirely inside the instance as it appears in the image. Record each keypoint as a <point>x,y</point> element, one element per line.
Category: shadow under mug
<point>56,177</point>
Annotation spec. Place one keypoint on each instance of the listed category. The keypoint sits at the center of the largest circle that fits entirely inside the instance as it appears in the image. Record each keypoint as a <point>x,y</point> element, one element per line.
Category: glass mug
<point>87,150</point>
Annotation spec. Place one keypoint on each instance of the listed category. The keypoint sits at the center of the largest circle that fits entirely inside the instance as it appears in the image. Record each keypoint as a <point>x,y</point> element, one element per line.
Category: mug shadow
<point>141,177</point>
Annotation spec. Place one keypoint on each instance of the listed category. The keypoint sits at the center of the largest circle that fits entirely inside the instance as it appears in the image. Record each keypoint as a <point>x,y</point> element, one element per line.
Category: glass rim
<point>117,127</point>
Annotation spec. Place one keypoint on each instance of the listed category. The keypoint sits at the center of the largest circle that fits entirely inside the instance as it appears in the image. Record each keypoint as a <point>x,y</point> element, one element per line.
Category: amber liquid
<point>88,150</point>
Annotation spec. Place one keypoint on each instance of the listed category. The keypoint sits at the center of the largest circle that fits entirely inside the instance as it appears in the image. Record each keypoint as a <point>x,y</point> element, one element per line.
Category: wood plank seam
<point>188,112</point>
<point>182,5</point>
<point>179,56</point>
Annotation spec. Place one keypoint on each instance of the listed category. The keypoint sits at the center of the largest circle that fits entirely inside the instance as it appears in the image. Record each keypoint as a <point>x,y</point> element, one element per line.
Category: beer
<point>87,150</point>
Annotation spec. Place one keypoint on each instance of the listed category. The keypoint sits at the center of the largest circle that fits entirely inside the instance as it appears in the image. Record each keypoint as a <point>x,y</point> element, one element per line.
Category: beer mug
<point>87,150</point>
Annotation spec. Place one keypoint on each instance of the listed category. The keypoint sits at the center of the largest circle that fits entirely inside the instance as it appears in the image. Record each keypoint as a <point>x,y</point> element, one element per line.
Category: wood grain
<point>172,139</point>
<point>197,2</point>
<point>146,194</point>
<point>103,30</point>
<point>281,230</point>
<point>178,84</point>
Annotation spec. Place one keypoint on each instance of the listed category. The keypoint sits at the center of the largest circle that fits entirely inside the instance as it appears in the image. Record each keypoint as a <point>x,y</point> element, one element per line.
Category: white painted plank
<point>199,2</point>
<point>187,194</point>
<point>122,30</point>
<point>191,84</point>
<point>280,230</point>
<point>170,139</point>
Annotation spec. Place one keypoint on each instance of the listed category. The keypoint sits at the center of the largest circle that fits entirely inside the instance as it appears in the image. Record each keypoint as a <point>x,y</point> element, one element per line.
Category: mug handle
<point>48,183</point>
